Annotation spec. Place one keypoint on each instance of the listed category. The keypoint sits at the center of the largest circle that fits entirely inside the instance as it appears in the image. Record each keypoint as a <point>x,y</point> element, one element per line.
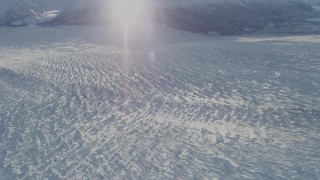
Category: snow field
<point>191,108</point>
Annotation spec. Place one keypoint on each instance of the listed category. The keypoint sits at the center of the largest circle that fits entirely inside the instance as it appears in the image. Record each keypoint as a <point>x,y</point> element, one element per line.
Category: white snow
<point>284,39</point>
<point>77,103</point>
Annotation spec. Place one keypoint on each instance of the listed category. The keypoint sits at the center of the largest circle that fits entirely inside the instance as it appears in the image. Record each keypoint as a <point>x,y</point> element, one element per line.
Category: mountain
<point>82,12</point>
<point>20,12</point>
<point>234,18</point>
<point>201,16</point>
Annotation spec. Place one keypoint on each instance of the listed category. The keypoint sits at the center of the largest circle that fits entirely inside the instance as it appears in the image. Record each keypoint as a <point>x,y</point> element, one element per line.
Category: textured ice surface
<point>74,105</point>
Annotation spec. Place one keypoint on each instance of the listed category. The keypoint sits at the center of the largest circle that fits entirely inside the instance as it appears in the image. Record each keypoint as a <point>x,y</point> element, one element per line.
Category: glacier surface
<point>78,103</point>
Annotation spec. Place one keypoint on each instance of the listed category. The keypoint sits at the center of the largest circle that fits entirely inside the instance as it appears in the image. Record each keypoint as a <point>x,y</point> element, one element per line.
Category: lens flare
<point>127,12</point>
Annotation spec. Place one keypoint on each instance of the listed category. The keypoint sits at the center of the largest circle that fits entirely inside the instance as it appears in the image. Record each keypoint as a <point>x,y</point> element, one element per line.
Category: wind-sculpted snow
<point>193,109</point>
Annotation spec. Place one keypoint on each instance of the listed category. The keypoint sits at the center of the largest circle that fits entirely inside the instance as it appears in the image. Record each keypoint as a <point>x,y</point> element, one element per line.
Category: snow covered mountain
<point>24,12</point>
<point>228,17</point>
<point>19,12</point>
<point>222,17</point>
<point>235,18</point>
<point>82,12</point>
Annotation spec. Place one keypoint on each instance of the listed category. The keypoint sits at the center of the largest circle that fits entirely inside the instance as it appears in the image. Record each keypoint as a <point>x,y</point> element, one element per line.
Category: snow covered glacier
<point>75,103</point>
<point>159,102</point>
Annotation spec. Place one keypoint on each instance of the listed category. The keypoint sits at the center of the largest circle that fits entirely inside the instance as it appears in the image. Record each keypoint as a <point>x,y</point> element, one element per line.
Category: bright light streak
<point>127,12</point>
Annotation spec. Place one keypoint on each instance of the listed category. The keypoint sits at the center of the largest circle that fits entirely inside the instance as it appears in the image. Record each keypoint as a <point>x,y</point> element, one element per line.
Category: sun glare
<point>127,12</point>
